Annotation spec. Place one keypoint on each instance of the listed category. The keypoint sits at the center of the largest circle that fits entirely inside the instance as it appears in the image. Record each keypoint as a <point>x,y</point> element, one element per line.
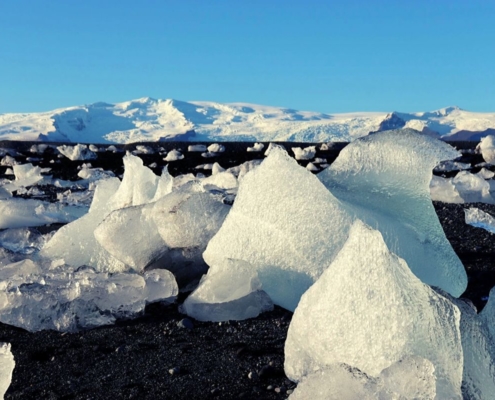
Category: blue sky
<point>328,56</point>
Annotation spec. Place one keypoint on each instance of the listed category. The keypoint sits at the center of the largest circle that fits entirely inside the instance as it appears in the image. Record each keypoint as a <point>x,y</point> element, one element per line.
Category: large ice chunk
<point>369,311</point>
<point>487,148</point>
<point>7,365</point>
<point>284,223</point>
<point>384,179</point>
<point>76,242</point>
<point>232,292</point>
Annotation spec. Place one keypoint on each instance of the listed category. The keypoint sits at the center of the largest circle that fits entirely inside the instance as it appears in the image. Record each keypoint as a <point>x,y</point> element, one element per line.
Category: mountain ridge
<point>148,119</point>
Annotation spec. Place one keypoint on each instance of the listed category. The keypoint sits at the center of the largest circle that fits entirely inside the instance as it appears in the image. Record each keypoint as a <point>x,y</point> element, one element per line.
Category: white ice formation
<point>73,299</point>
<point>370,311</point>
<point>383,179</point>
<point>173,155</point>
<point>229,292</point>
<point>7,365</point>
<point>76,243</point>
<point>77,152</point>
<point>256,147</point>
<point>487,149</point>
<point>285,224</point>
<point>307,153</point>
<point>480,219</point>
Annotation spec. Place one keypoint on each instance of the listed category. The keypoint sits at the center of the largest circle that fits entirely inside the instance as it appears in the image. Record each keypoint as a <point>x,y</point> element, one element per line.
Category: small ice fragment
<point>307,153</point>
<point>196,148</point>
<point>216,168</point>
<point>7,365</point>
<point>311,167</point>
<point>216,148</point>
<point>173,155</point>
<point>480,219</point>
<point>487,149</point>
<point>256,147</point>
<point>77,152</point>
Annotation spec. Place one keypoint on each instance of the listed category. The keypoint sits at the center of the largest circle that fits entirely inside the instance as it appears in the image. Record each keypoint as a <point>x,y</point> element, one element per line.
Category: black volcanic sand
<point>153,357</point>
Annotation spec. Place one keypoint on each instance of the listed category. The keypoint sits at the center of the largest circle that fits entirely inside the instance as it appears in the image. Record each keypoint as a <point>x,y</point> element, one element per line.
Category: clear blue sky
<point>329,56</point>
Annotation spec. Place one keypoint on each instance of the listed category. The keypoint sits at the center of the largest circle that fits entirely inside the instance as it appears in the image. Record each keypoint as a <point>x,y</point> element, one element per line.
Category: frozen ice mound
<point>7,365</point>
<point>487,149</point>
<point>284,223</point>
<point>76,242</point>
<point>465,187</point>
<point>20,213</point>
<point>173,155</point>
<point>230,292</point>
<point>370,311</point>
<point>77,152</point>
<point>37,297</point>
<point>480,219</point>
<point>256,148</point>
<point>407,379</point>
<point>384,180</point>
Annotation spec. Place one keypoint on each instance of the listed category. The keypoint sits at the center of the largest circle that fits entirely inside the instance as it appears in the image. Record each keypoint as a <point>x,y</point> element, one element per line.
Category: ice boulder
<point>131,236</point>
<point>487,148</point>
<point>369,311</point>
<point>285,224</point>
<point>7,365</point>
<point>472,188</point>
<point>77,152</point>
<point>173,155</point>
<point>216,148</point>
<point>384,180</point>
<point>442,189</point>
<point>232,292</point>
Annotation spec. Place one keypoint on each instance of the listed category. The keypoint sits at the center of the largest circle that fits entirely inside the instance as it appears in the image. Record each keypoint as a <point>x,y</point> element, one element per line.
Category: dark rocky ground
<point>156,357</point>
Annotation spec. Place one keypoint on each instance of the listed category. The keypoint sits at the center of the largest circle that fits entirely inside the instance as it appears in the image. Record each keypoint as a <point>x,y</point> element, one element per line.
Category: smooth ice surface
<point>131,236</point>
<point>196,148</point>
<point>160,286</point>
<point>19,213</point>
<point>487,148</point>
<point>407,379</point>
<point>229,292</point>
<point>384,179</point>
<point>284,223</point>
<point>480,219</point>
<point>369,310</point>
<point>7,365</point>
<point>77,152</point>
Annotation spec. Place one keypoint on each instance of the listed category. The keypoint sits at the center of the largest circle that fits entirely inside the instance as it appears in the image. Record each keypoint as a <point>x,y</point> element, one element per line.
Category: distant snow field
<point>355,248</point>
<point>151,120</point>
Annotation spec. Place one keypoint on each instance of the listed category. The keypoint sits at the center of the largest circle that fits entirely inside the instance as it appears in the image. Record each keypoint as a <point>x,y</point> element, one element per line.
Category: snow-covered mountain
<point>150,119</point>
